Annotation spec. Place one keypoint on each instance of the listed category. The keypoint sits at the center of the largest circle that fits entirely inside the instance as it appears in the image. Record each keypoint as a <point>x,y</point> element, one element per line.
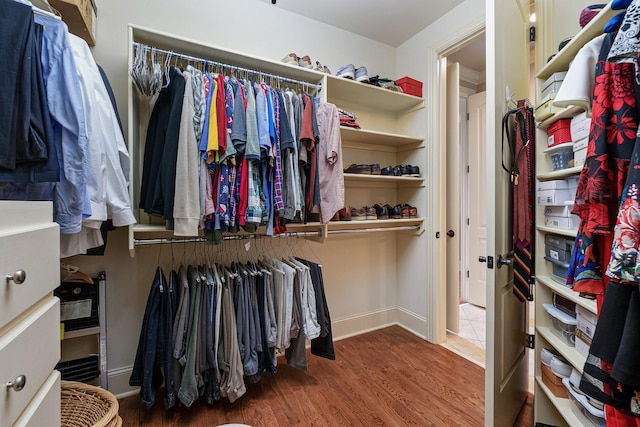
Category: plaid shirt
<point>254,210</point>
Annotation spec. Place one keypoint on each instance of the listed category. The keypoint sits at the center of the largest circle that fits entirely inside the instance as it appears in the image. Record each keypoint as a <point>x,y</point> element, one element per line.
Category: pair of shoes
<point>373,169</point>
<point>321,68</point>
<point>382,211</point>
<point>402,211</point>
<point>401,170</point>
<point>350,72</point>
<point>364,213</point>
<point>293,59</point>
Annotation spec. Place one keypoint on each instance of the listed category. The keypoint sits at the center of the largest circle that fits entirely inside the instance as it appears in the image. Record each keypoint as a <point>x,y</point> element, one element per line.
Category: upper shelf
<point>373,137</point>
<point>559,174</point>
<point>564,114</point>
<point>215,53</point>
<point>362,93</point>
<point>568,293</point>
<point>593,29</point>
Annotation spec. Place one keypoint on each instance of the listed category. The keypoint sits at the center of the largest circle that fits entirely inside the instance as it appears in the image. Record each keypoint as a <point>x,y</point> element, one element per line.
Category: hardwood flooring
<point>387,377</point>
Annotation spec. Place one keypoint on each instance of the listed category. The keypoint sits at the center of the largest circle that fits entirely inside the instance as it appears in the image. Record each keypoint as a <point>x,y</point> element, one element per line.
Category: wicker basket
<point>84,405</point>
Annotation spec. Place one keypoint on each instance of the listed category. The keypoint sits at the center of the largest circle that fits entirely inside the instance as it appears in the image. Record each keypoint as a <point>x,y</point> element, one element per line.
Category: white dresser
<point>29,315</point>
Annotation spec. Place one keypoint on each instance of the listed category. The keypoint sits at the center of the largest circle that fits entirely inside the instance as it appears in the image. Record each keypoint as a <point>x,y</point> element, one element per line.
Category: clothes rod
<point>139,242</point>
<point>171,53</point>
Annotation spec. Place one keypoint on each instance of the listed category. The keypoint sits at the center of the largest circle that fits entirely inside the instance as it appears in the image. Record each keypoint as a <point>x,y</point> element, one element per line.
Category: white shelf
<point>593,29</point>
<point>362,93</point>
<point>568,352</point>
<point>559,174</point>
<point>373,137</point>
<point>563,114</point>
<point>560,231</point>
<point>568,293</point>
<point>81,333</point>
<point>564,406</point>
<point>354,177</point>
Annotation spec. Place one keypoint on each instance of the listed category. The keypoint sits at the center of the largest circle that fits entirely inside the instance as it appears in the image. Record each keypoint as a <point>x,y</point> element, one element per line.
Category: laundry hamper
<point>84,405</point>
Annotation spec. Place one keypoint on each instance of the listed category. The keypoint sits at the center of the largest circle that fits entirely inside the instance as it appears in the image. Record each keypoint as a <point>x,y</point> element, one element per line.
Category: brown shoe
<point>345,214</point>
<point>336,217</point>
<point>404,211</point>
<point>360,169</point>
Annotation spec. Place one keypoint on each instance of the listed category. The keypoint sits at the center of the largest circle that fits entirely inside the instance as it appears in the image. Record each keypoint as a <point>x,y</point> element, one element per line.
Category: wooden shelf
<point>355,177</point>
<point>81,333</point>
<point>372,137</point>
<point>383,99</point>
<point>568,293</point>
<point>378,224</point>
<point>593,29</point>
<point>559,174</point>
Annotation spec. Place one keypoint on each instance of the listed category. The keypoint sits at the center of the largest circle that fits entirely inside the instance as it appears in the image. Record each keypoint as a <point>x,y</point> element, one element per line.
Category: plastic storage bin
<point>558,270</point>
<point>563,325</point>
<point>559,133</point>
<point>561,156</point>
<point>558,247</point>
<point>410,86</point>
<point>594,415</point>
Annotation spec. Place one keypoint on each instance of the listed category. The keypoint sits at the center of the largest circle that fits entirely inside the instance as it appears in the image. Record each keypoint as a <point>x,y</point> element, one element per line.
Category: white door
<point>477,107</point>
<point>506,357</point>
<point>452,234</point>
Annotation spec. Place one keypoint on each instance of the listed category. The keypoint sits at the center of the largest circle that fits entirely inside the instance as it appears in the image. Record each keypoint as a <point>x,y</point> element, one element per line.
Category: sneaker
<point>375,169</point>
<point>318,67</point>
<point>345,214</point>
<point>413,171</point>
<point>358,214</point>
<point>348,72</point>
<point>305,62</point>
<point>381,211</point>
<point>370,213</point>
<point>326,69</point>
<point>359,169</point>
<point>292,59</point>
<point>361,75</point>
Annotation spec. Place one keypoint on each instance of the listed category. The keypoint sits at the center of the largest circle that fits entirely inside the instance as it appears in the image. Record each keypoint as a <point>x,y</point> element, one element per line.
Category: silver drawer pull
<point>18,277</point>
<point>18,384</point>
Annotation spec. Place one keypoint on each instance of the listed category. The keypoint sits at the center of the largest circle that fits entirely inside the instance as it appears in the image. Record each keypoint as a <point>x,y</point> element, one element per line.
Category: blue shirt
<point>71,203</point>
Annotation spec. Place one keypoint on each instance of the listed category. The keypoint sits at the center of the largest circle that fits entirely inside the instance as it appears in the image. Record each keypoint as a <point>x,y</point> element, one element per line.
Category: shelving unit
<point>548,408</point>
<point>389,135</point>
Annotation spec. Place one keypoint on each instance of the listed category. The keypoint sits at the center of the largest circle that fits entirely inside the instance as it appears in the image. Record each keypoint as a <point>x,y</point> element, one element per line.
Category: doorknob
<point>451,233</point>
<point>505,261</point>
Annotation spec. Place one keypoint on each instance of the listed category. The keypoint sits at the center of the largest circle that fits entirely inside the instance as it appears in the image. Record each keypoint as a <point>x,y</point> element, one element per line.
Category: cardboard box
<point>579,156</point>
<point>80,16</point>
<point>553,382</point>
<point>580,126</point>
<point>553,83</point>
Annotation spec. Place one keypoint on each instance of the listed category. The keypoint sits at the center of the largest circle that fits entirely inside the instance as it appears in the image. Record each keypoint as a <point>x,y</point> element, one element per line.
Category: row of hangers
<point>149,70</point>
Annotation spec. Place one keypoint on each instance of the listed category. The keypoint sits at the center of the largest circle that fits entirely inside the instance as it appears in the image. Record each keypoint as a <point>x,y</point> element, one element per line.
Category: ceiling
<point>472,55</point>
<point>389,22</point>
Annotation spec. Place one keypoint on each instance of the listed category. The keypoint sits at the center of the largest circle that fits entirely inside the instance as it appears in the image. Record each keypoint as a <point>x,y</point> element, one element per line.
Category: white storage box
<point>563,325</point>
<point>583,343</point>
<point>580,126</point>
<point>562,211</point>
<point>573,186</point>
<point>580,143</point>
<point>555,192</point>
<point>544,110</point>
<point>579,157</point>
<point>587,321</point>
<point>553,83</point>
<point>566,223</point>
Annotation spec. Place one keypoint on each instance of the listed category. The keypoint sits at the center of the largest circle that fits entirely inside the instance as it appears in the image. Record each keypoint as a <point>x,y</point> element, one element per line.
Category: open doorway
<point>466,117</point>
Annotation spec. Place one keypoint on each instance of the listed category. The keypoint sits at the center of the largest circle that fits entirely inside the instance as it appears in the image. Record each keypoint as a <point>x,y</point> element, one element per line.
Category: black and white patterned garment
<point>626,46</point>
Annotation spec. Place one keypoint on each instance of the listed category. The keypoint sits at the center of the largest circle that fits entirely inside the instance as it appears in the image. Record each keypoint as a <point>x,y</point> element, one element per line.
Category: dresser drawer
<point>30,348</point>
<point>35,250</point>
<point>44,409</point>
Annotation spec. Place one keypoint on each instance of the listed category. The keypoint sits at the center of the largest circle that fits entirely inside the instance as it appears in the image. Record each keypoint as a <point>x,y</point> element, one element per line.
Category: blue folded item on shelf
<point>620,4</point>
<point>614,23</point>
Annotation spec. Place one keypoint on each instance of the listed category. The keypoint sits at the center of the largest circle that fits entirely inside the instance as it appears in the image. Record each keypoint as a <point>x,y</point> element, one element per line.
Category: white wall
<point>360,270</point>
<point>418,58</point>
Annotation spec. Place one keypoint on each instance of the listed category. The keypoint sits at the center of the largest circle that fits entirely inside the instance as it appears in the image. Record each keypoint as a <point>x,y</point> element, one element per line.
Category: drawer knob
<point>18,277</point>
<point>18,384</point>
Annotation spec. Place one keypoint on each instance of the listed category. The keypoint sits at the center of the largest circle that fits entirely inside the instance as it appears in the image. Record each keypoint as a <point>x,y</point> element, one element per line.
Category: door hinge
<point>467,274</point>
<point>468,221</point>
<point>467,116</point>
<point>531,341</point>
<point>532,282</point>
<point>468,170</point>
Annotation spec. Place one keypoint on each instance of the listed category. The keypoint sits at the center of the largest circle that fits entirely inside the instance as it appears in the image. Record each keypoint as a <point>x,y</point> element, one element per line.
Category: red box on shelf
<point>559,132</point>
<point>410,86</point>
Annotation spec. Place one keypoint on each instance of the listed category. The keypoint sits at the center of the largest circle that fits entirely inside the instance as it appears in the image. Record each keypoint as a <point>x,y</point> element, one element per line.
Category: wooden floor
<point>384,378</point>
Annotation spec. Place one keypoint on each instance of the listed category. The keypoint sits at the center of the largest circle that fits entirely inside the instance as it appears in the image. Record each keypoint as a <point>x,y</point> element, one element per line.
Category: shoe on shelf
<point>386,171</point>
<point>404,211</point>
<point>412,210</point>
<point>335,217</point>
<point>361,75</point>
<point>375,169</point>
<point>381,211</point>
<point>413,171</point>
<point>348,72</point>
<point>318,67</point>
<point>305,62</point>
<point>345,214</point>
<point>404,169</point>
<point>326,69</point>
<point>370,213</point>
<point>358,214</point>
<point>395,212</point>
<point>359,169</point>
<point>292,59</point>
